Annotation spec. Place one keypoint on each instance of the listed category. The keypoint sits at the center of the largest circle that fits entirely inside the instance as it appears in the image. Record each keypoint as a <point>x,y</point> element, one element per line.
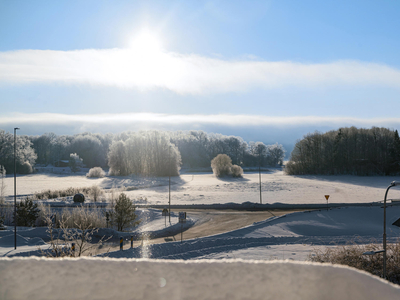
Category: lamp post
<point>259,177</point>
<point>15,189</point>
<point>169,183</point>
<point>393,183</point>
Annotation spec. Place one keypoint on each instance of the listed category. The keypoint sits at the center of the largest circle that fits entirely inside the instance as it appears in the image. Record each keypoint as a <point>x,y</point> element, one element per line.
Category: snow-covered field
<point>205,188</point>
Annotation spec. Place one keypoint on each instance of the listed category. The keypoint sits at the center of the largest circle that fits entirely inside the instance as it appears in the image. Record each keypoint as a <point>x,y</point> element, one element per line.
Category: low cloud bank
<point>184,74</point>
<point>157,119</point>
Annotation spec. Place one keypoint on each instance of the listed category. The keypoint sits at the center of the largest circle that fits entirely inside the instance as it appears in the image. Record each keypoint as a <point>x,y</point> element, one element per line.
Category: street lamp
<point>15,189</point>
<point>169,183</point>
<point>393,183</point>
<point>259,175</point>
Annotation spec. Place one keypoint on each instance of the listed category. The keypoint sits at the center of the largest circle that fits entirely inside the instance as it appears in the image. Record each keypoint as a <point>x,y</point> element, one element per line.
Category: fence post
<point>73,250</point>
<point>131,241</point>
<point>121,243</point>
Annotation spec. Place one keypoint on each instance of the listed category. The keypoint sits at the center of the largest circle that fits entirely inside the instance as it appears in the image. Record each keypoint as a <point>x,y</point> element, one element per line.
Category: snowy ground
<point>151,279</point>
<point>291,236</point>
<point>204,188</point>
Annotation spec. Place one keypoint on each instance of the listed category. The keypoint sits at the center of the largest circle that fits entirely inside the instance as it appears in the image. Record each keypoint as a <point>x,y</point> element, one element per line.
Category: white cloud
<point>183,74</point>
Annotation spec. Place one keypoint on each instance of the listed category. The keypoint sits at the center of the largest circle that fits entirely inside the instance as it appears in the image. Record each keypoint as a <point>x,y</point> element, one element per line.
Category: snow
<point>205,188</point>
<point>269,239</point>
<point>85,278</point>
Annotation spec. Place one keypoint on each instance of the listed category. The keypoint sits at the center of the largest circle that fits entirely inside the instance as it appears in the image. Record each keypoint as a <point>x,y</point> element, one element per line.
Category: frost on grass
<point>352,255</point>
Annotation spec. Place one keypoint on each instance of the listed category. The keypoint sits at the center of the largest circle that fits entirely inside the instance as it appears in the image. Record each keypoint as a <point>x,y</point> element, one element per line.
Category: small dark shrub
<point>25,168</point>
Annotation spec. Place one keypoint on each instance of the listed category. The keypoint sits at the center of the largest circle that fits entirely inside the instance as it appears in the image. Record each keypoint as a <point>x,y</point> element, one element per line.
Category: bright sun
<point>146,43</point>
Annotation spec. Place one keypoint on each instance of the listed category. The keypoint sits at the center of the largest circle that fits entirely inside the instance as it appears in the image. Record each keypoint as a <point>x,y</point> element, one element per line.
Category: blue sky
<point>293,66</point>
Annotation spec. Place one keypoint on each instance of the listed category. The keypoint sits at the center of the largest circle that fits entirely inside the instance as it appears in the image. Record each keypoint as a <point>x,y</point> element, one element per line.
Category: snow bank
<point>34,278</point>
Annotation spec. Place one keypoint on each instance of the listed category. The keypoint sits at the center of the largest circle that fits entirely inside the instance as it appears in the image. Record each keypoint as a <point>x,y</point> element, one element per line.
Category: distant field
<point>205,188</point>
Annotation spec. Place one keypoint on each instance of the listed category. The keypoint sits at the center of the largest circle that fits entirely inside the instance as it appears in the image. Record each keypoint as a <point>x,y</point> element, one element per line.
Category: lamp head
<point>394,183</point>
<point>16,128</point>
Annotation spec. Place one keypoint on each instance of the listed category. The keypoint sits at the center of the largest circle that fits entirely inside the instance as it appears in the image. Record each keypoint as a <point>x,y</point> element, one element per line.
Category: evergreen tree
<point>27,213</point>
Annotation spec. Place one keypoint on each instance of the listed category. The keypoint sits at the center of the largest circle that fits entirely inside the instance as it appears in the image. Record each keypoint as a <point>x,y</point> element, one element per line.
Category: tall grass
<point>82,217</point>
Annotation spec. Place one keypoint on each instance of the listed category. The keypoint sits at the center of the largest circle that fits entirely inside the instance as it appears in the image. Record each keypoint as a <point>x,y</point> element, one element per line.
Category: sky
<point>268,71</point>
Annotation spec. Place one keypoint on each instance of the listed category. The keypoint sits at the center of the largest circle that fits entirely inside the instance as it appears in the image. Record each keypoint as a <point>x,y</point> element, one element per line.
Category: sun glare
<point>146,43</point>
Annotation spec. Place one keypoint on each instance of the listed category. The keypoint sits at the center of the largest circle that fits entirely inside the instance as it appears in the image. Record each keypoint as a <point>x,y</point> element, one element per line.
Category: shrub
<point>27,213</point>
<point>95,193</point>
<point>123,213</point>
<point>25,168</point>
<point>77,226</point>
<point>236,171</point>
<point>80,217</point>
<point>352,255</point>
<point>96,172</point>
<point>221,165</point>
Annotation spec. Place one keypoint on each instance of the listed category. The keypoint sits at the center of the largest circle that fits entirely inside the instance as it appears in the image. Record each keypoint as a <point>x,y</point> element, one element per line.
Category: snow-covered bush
<point>82,217</point>
<point>77,226</point>
<point>236,171</point>
<point>96,172</point>
<point>221,165</point>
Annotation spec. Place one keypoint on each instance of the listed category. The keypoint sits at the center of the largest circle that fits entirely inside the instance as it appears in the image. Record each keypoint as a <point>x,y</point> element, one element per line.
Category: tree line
<point>352,150</point>
<point>152,152</point>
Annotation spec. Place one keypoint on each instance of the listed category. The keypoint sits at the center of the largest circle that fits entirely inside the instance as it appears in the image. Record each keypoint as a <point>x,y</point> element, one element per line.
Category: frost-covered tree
<point>25,155</point>
<point>144,153</point>
<point>90,149</point>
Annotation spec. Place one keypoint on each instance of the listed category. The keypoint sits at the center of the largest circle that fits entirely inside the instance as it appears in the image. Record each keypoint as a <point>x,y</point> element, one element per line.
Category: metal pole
<point>15,190</point>
<point>384,232</point>
<point>259,175</point>
<point>181,231</point>
<point>169,183</point>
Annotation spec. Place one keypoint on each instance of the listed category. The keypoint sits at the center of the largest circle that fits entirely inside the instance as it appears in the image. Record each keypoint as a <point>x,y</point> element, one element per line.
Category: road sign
<point>165,212</point>
<point>326,197</point>
<point>182,217</point>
